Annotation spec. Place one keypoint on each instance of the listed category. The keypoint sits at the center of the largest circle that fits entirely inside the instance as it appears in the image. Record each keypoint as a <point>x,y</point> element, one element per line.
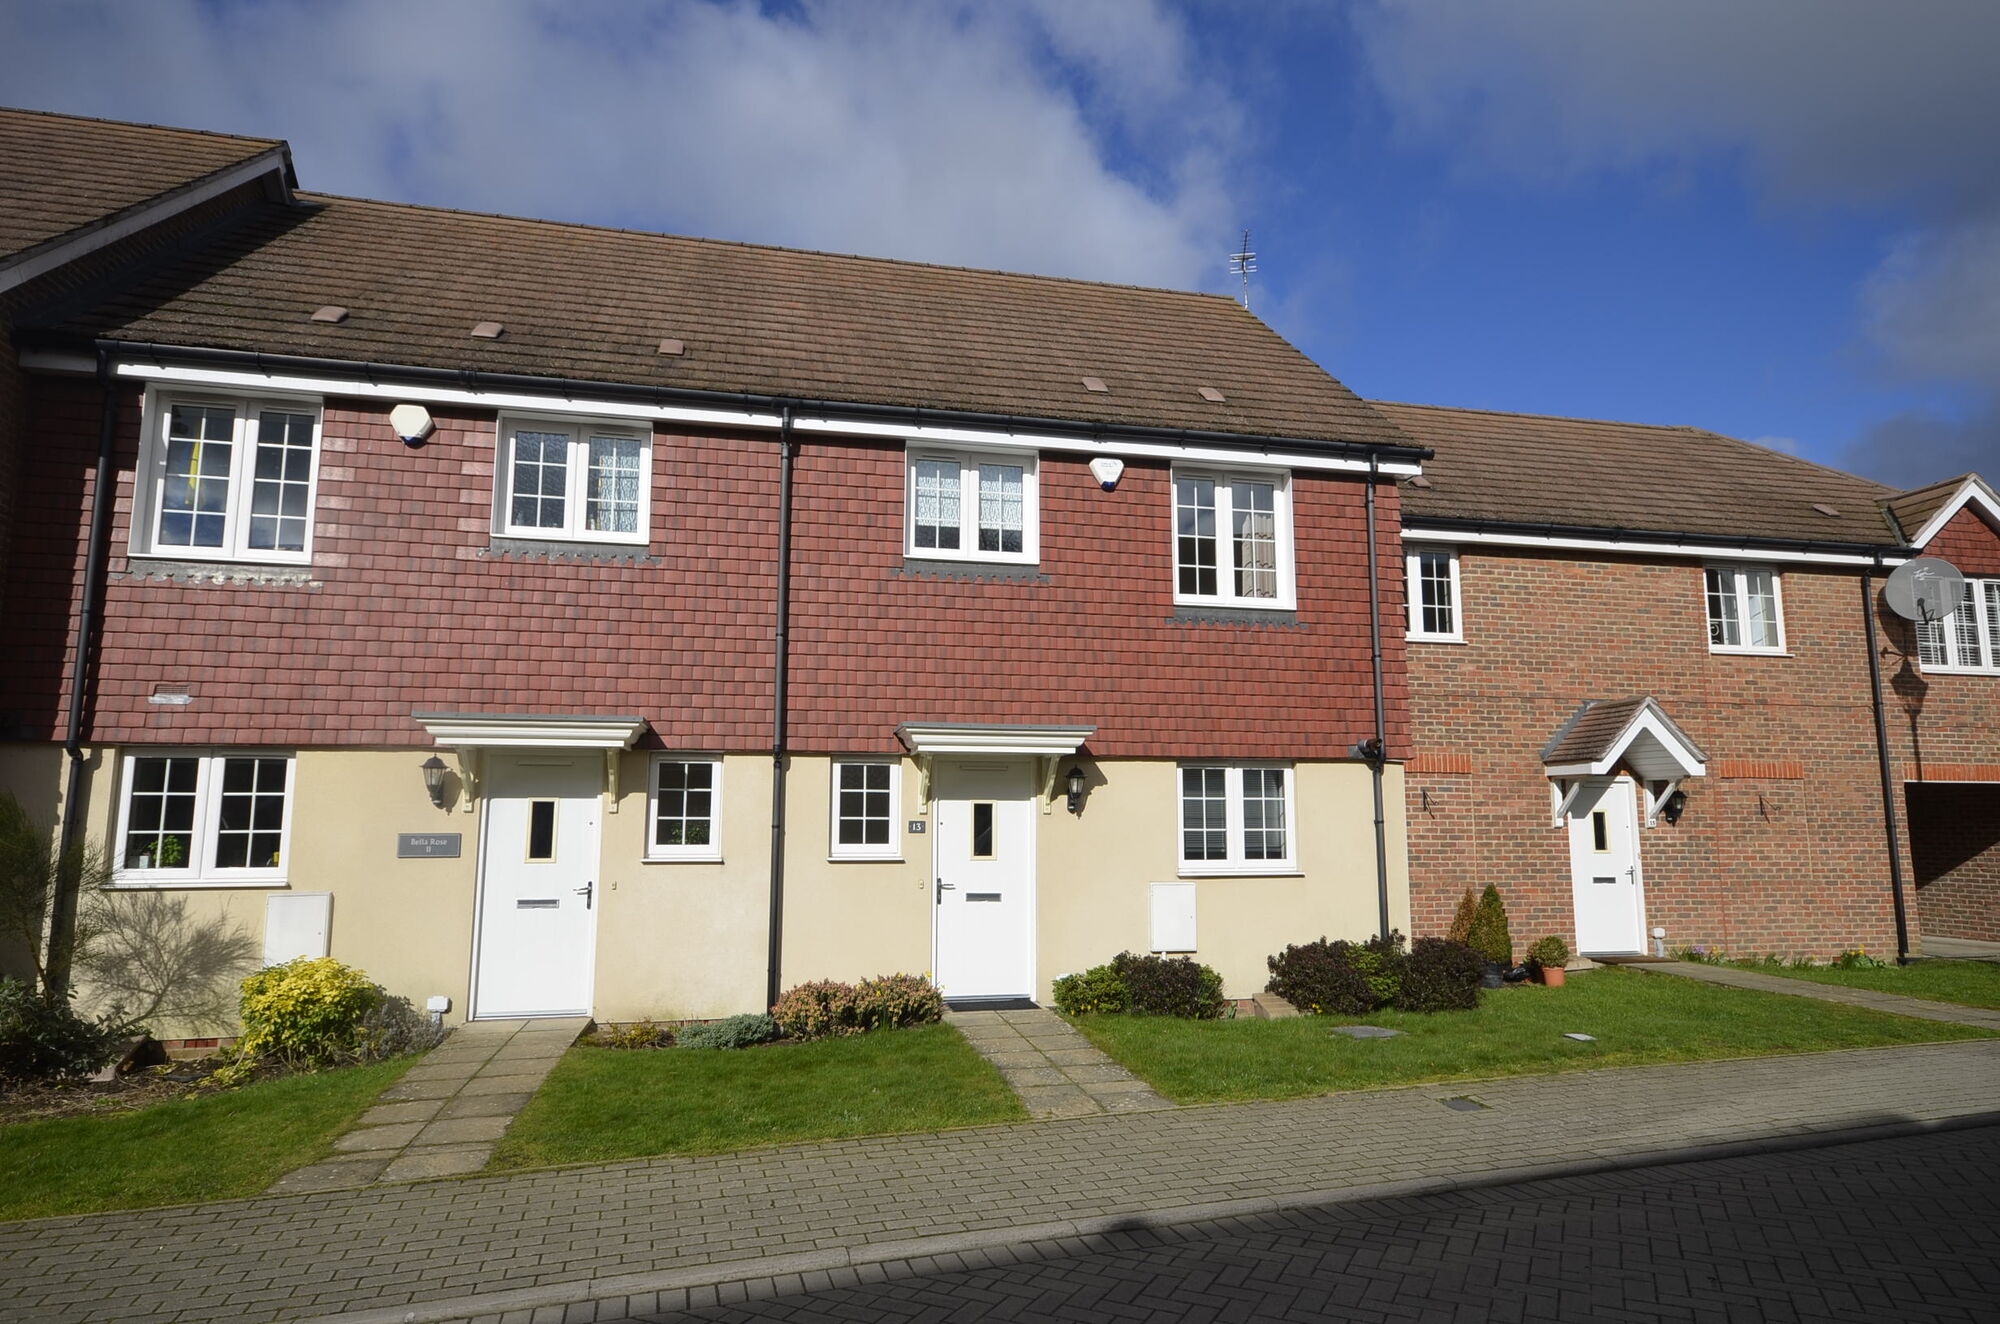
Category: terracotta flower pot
<point>1552,975</point>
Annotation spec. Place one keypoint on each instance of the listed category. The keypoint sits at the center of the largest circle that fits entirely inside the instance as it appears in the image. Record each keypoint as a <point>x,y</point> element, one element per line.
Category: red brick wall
<point>1095,643</point>
<point>1759,863</point>
<point>1955,843</point>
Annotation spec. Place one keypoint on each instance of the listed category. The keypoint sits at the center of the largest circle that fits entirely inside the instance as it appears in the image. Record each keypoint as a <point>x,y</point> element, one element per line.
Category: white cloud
<point>1025,135</point>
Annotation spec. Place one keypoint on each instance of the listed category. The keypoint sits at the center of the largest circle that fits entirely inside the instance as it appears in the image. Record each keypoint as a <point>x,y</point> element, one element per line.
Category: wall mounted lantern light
<point>1675,805</point>
<point>1077,782</point>
<point>434,780</point>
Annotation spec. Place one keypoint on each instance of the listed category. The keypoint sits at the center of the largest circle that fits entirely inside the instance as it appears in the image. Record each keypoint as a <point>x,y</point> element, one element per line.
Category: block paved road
<point>1902,1229</point>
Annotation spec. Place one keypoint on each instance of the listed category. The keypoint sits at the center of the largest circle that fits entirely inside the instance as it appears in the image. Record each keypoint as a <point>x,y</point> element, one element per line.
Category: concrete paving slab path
<point>1895,1004</point>
<point>1056,1071</point>
<point>1962,949</point>
<point>553,1245</point>
<point>444,1116</point>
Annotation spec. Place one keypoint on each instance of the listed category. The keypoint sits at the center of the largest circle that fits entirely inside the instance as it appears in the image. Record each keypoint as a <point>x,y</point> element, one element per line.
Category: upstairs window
<point>1236,819</point>
<point>1433,602</point>
<point>1232,539</point>
<point>189,819</point>
<point>1744,612</point>
<point>228,480</point>
<point>971,507</point>
<point>1969,638</point>
<point>583,482</point>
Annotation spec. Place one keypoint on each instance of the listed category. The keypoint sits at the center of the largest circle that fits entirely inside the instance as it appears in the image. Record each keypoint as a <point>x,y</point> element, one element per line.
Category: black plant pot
<point>1491,979</point>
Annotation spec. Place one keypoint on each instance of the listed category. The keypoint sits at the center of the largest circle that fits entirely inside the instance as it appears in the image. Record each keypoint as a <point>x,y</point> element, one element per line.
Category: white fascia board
<point>962,738</point>
<point>1417,531</point>
<point>505,731</point>
<point>1052,441</point>
<point>21,273</point>
<point>427,393</point>
<point>1969,492</point>
<point>1686,763</point>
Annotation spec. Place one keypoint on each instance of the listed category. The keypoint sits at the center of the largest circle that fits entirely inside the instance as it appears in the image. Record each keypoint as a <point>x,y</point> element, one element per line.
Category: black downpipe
<point>1888,780</point>
<point>780,691</point>
<point>63,906</point>
<point>1380,753</point>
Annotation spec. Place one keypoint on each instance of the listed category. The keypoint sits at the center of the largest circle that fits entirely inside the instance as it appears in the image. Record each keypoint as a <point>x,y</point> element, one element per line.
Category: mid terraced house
<point>558,619</point>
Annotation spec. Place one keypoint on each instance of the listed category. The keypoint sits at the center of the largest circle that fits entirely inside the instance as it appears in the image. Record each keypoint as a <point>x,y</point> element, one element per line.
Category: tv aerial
<point>1241,263</point>
<point>1927,589</point>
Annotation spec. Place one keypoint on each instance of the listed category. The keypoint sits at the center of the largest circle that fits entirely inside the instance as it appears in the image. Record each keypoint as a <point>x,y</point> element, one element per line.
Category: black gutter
<point>1380,753</point>
<point>471,379</point>
<point>1888,780</point>
<point>781,685</point>
<point>63,905</point>
<point>1416,526</point>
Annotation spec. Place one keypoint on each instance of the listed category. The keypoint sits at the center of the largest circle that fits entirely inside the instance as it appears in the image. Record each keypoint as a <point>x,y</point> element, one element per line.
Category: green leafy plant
<point>1857,958</point>
<point>1440,975</point>
<point>894,1002</point>
<point>1700,955</point>
<point>1321,977</point>
<point>1549,951</point>
<point>1098,989</point>
<point>308,1013</point>
<point>639,1034</point>
<point>730,1032</point>
<point>43,1038</point>
<point>822,1009</point>
<point>1380,961</point>
<point>1170,986</point>
<point>1461,922</point>
<point>1489,935</point>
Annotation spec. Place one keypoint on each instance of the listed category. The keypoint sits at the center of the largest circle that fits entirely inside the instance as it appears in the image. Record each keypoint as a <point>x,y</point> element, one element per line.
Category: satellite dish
<point>1926,589</point>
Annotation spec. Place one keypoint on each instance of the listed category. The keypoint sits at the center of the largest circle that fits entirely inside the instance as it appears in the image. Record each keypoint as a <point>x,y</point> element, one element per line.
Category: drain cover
<point>1366,1031</point>
<point>1463,1105</point>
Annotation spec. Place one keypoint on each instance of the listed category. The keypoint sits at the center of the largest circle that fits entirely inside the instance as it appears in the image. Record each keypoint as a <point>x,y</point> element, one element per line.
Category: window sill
<point>1265,617</point>
<point>1940,669</point>
<point>681,859</point>
<point>137,882</point>
<point>1435,638</point>
<point>207,556</point>
<point>151,566</point>
<point>569,549</point>
<point>1721,651</point>
<point>865,859</point>
<point>929,567</point>
<point>1242,871</point>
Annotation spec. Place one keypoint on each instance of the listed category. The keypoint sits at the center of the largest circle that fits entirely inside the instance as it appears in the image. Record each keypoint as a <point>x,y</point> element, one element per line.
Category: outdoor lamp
<point>1671,810</point>
<point>434,780</point>
<point>1077,782</point>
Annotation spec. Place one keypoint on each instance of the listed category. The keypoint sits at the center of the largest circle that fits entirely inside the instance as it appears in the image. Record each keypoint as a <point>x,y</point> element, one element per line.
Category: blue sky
<point>1779,220</point>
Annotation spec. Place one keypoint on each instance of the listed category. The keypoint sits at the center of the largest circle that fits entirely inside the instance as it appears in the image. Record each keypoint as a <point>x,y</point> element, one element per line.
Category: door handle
<point>585,892</point>
<point>942,888</point>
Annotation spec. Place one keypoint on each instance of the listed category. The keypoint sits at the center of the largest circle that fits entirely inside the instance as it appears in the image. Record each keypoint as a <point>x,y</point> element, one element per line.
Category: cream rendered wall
<point>851,919</point>
<point>685,940</point>
<point>1096,868</point>
<point>33,775</point>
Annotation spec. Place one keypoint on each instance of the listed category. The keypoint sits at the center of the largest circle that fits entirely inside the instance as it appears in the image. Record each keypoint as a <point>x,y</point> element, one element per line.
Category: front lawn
<point>1969,983</point>
<point>213,1148</point>
<point>601,1104</point>
<point>1636,1018</point>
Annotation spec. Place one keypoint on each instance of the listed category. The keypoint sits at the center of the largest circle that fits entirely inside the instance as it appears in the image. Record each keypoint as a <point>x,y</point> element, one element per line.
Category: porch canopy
<point>1049,744</point>
<point>468,734</point>
<point>1605,735</point>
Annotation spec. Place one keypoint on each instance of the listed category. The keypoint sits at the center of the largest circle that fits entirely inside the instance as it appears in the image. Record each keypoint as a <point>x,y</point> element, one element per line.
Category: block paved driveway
<point>1879,1230</point>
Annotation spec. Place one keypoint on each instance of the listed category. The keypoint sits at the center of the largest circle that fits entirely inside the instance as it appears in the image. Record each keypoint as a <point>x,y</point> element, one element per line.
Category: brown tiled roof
<point>60,174</point>
<point>1913,509</point>
<point>1529,469</point>
<point>1595,727</point>
<point>595,304</point>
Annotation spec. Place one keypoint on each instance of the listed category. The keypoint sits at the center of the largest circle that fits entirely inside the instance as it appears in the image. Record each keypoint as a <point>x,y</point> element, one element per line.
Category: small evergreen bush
<point>1440,975</point>
<point>891,1002</point>
<point>730,1032</point>
<point>822,1009</point>
<point>1163,986</point>
<point>45,1039</point>
<point>1489,935</point>
<point>308,1013</point>
<point>1553,951</point>
<point>1098,989</point>
<point>1380,961</point>
<point>1461,922</point>
<point>396,1027</point>
<point>1322,978</point>
<point>639,1034</point>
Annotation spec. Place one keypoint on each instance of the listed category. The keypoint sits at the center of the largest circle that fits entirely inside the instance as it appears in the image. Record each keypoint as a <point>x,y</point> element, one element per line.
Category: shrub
<point>1550,951</point>
<point>309,1012</point>
<point>819,1010</point>
<point>1701,955</point>
<point>1380,961</point>
<point>639,1034</point>
<point>730,1032</point>
<point>396,1027</point>
<point>1322,977</point>
<point>1098,989</point>
<point>45,1039</point>
<point>1857,958</point>
<point>1163,986</point>
<point>1489,936</point>
<point>1440,975</point>
<point>892,1002</point>
<point>1461,922</point>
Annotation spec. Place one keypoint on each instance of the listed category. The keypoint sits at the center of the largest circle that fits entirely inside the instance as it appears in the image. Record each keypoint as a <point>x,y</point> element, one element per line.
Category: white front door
<point>538,882</point>
<point>1604,868</point>
<point>983,857</point>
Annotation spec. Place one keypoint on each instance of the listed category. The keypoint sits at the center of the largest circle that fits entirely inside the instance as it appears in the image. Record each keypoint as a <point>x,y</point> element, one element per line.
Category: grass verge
<point>1637,1019</point>
<point>601,1104</point>
<point>214,1148</point>
<point>1968,983</point>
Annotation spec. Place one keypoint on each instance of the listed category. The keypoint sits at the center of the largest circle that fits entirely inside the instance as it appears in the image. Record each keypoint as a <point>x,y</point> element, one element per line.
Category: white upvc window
<point>1745,612</point>
<point>971,506</point>
<point>1237,818</point>
<point>1232,539</point>
<point>1969,638</point>
<point>867,796</point>
<point>227,479</point>
<point>1434,600</point>
<point>582,481</point>
<point>684,808</point>
<point>193,819</point>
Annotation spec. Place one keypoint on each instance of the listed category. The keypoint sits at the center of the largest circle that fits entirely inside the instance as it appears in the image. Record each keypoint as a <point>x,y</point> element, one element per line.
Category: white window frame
<point>1225,541</point>
<point>1986,621</point>
<point>151,478</point>
<point>1236,864</point>
<point>658,854</point>
<point>202,870</point>
<point>893,849</point>
<point>576,471</point>
<point>1414,606</point>
<point>968,461</point>
<point>1739,587</point>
